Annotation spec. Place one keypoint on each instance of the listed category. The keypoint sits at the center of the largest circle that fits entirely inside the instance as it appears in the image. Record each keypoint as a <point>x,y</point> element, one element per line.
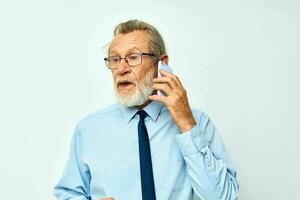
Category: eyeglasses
<point>133,59</point>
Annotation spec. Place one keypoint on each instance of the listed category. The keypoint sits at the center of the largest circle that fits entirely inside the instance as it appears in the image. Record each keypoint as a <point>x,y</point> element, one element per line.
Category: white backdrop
<point>239,61</point>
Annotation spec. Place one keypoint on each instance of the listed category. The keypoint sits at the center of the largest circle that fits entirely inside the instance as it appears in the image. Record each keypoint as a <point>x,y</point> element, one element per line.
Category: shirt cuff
<point>192,141</point>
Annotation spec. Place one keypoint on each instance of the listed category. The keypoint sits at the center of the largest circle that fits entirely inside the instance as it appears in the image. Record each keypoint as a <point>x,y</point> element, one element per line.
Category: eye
<point>115,59</point>
<point>133,57</point>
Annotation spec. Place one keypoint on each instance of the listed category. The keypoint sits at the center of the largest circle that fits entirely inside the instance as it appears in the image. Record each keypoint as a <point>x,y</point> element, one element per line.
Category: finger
<point>174,77</point>
<point>172,80</point>
<point>164,79</point>
<point>162,87</point>
<point>165,73</point>
<point>162,99</point>
<point>177,80</point>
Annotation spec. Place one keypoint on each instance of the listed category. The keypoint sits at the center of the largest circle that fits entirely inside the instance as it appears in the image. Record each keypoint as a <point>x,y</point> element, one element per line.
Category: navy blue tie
<point>147,182</point>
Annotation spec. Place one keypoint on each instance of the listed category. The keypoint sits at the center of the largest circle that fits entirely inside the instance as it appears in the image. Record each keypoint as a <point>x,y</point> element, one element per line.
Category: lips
<point>124,84</point>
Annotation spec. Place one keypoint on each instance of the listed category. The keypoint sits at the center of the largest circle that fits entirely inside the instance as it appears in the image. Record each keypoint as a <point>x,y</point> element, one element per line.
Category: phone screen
<point>165,67</point>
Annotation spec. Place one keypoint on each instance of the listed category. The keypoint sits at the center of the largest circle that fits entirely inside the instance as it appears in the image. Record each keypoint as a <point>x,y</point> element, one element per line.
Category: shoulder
<point>199,114</point>
<point>203,119</point>
<point>204,125</point>
<point>113,110</point>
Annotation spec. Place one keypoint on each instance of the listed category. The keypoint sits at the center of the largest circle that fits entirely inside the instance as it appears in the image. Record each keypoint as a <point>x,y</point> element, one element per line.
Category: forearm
<point>74,183</point>
<point>210,178</point>
<point>208,165</point>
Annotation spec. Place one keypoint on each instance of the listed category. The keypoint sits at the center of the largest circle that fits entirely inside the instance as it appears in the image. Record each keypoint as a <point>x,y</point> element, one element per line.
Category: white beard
<point>140,95</point>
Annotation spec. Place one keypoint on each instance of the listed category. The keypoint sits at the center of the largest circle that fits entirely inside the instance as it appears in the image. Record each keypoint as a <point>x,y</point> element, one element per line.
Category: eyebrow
<point>128,51</point>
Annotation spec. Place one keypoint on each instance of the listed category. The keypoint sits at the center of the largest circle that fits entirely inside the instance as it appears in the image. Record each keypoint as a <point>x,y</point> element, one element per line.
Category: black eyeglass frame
<point>141,54</point>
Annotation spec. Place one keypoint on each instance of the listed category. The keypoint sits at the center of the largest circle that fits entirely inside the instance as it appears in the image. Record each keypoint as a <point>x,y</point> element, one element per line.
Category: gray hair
<point>155,43</point>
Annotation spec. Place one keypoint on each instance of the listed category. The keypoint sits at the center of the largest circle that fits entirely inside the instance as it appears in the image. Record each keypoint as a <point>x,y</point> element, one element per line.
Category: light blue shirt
<point>104,158</point>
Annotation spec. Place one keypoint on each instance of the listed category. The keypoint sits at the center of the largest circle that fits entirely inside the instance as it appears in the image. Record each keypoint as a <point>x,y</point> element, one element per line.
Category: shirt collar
<point>152,109</point>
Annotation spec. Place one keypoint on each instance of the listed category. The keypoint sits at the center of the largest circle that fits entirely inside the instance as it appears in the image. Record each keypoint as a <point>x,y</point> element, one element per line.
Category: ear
<point>165,58</point>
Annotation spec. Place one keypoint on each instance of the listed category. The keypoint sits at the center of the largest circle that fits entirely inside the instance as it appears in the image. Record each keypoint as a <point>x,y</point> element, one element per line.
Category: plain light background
<point>238,60</point>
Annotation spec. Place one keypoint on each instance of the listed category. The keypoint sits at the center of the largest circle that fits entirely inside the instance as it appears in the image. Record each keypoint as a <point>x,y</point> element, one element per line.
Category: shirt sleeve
<point>208,164</point>
<point>75,181</point>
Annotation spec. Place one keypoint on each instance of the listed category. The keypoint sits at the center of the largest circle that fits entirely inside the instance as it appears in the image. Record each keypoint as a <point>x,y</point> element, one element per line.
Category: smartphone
<point>165,67</point>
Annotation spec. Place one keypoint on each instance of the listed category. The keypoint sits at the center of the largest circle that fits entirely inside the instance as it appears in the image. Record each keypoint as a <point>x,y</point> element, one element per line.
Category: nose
<point>123,68</point>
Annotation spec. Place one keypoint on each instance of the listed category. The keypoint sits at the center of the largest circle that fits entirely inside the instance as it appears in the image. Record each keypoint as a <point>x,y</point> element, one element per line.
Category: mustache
<point>119,80</point>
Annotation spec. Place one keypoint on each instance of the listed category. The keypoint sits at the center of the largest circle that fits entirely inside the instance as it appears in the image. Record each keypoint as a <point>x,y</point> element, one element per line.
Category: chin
<point>134,96</point>
<point>136,99</point>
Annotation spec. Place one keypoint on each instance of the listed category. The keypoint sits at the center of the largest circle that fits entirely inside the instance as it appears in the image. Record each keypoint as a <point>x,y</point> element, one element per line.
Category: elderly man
<point>147,146</point>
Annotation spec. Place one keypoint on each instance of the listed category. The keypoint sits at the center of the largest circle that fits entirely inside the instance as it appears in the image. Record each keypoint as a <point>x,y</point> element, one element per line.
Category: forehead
<point>122,43</point>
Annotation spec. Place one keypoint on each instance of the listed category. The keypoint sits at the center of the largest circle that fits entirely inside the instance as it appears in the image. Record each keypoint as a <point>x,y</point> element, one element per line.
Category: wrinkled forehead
<point>124,43</point>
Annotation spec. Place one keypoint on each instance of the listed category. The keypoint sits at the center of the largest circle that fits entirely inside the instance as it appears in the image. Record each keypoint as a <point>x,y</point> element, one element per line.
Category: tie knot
<point>142,114</point>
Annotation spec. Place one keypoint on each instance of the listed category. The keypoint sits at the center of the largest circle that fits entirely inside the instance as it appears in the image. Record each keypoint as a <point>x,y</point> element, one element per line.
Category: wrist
<point>188,126</point>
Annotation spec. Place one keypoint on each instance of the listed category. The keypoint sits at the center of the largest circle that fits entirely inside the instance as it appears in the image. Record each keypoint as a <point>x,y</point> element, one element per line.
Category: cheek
<point>136,74</point>
<point>114,75</point>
